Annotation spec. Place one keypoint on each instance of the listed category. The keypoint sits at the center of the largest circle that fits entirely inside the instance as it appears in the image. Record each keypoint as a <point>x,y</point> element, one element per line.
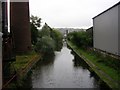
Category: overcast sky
<point>69,13</point>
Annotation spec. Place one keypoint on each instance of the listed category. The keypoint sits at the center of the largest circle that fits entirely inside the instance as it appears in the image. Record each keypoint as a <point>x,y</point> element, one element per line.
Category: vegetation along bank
<point>106,67</point>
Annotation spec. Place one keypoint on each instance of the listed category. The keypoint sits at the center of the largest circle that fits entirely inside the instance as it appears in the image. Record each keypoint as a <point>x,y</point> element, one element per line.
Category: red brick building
<point>20,26</point>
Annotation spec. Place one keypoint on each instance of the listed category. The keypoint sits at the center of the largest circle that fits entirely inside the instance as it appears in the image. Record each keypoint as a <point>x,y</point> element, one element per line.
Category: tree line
<point>81,39</point>
<point>45,40</point>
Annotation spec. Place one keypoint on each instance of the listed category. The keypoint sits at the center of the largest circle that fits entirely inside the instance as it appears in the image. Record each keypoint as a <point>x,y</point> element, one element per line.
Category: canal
<point>63,70</point>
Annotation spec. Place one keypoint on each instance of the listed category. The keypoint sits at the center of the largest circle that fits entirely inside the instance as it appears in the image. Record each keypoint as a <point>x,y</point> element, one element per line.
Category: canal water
<point>63,70</point>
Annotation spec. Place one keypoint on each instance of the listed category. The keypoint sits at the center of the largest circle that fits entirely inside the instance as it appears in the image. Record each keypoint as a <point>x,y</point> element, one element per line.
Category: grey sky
<point>69,13</point>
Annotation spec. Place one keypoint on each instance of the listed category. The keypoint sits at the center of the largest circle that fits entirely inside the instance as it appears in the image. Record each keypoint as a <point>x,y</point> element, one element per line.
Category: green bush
<point>49,40</point>
<point>45,45</point>
<point>57,37</point>
<point>81,39</point>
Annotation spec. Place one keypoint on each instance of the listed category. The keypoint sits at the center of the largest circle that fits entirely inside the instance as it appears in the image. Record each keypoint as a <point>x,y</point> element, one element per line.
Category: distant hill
<point>64,30</point>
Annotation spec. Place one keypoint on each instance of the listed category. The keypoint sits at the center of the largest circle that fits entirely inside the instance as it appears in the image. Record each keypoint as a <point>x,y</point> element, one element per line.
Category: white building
<point>106,30</point>
<point>0,45</point>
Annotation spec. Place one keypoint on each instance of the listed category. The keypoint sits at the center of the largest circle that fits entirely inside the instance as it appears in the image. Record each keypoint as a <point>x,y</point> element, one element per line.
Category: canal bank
<point>98,70</point>
<point>22,66</point>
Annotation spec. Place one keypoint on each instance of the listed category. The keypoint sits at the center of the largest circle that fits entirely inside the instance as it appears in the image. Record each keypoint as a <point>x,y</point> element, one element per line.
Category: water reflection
<point>47,60</point>
<point>27,81</point>
<point>80,63</point>
<point>43,68</point>
<point>63,70</point>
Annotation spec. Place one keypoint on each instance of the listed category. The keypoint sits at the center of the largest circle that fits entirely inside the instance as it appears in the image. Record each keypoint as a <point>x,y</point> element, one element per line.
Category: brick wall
<point>20,26</point>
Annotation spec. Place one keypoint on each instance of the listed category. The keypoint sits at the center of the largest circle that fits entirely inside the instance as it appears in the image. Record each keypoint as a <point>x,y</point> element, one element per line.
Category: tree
<point>58,37</point>
<point>45,31</point>
<point>81,39</point>
<point>35,23</point>
<point>34,34</point>
<point>49,40</point>
<point>45,45</point>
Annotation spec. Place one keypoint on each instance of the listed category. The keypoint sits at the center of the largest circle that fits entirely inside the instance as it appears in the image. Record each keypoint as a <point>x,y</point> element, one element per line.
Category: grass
<point>107,69</point>
<point>21,65</point>
<point>107,64</point>
<point>23,59</point>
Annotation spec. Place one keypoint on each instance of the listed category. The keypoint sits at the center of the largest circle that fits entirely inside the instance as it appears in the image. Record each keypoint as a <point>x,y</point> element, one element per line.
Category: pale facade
<point>106,30</point>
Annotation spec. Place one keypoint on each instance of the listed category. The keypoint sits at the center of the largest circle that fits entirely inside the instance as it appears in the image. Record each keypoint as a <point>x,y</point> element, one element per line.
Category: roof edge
<point>107,9</point>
